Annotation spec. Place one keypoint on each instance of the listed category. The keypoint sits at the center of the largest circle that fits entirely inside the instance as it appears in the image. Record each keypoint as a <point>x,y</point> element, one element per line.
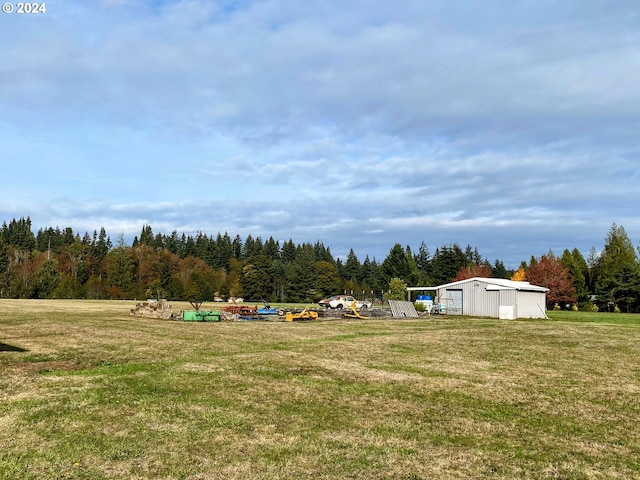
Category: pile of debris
<point>153,309</point>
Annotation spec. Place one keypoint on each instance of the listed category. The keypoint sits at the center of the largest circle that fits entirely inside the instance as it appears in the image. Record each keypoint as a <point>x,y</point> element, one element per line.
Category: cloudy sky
<point>512,126</point>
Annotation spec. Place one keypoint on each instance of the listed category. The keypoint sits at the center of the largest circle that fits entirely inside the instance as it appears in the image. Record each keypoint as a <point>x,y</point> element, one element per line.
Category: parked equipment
<point>198,315</point>
<point>269,310</point>
<point>241,310</point>
<point>354,308</point>
<point>306,314</point>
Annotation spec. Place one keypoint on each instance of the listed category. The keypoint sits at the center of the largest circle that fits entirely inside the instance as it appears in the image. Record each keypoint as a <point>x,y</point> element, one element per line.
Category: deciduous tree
<point>397,289</point>
<point>519,275</point>
<point>327,279</point>
<point>547,271</point>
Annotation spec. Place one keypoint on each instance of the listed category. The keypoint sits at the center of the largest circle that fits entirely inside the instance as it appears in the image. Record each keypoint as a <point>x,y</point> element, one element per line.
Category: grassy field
<point>88,392</point>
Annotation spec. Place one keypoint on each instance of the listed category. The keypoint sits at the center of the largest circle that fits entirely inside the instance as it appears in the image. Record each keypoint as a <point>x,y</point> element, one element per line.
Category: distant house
<point>490,297</point>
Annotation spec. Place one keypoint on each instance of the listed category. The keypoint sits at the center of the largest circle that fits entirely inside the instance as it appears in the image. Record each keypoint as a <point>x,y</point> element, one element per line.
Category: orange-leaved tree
<point>519,275</point>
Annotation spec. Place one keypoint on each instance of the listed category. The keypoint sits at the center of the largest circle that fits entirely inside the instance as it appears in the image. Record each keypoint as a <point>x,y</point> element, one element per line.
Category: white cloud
<point>422,121</point>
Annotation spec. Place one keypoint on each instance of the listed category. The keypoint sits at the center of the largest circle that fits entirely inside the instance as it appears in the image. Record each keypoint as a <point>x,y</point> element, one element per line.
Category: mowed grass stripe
<point>98,394</point>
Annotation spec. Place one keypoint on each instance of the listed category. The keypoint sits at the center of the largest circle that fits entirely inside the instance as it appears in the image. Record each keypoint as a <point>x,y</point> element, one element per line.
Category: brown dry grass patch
<point>95,393</point>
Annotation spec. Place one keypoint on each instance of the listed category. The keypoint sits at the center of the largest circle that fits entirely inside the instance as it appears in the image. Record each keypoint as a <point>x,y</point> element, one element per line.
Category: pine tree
<point>301,275</point>
<point>257,278</point>
<point>146,235</point>
<point>289,252</point>
<point>352,270</point>
<point>396,265</point>
<point>422,260</point>
<point>617,273</point>
<point>120,270</point>
<point>272,249</point>
<point>575,264</point>
<point>446,263</point>
<point>499,270</point>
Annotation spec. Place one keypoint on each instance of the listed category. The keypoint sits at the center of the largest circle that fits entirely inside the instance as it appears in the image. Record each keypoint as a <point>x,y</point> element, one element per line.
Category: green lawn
<point>597,317</point>
<point>88,392</point>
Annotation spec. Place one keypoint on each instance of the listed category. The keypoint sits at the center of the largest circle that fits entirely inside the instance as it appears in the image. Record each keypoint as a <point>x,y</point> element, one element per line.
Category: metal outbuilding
<point>490,297</point>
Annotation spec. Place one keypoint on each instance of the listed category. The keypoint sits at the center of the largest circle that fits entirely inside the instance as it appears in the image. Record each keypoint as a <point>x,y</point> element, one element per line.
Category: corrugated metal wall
<point>531,305</point>
<point>478,302</point>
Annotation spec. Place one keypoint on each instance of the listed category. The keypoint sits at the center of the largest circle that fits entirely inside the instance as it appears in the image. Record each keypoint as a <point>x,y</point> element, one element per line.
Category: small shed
<point>490,297</point>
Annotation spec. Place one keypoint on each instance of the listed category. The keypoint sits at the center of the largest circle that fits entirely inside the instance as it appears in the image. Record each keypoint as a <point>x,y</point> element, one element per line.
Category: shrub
<point>590,307</point>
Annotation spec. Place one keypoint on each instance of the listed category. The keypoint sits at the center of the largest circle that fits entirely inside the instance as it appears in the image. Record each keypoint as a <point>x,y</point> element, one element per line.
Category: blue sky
<point>509,126</point>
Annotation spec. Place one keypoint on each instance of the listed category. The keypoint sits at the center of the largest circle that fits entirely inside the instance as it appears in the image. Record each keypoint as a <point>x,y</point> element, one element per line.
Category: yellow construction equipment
<point>306,314</point>
<point>355,313</point>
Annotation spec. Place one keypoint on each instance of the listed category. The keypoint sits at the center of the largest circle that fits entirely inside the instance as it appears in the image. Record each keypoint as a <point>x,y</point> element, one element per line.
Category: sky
<point>512,126</point>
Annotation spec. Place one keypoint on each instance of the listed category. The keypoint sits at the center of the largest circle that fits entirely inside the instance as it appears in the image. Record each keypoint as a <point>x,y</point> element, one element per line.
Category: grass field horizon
<point>89,392</point>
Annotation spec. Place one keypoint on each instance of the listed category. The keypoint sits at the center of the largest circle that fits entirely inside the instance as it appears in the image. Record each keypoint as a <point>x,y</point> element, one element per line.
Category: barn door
<point>454,302</point>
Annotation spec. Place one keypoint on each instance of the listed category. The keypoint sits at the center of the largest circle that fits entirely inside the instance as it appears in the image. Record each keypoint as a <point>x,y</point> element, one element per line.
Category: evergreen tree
<point>617,274</point>
<point>236,247</point>
<point>575,264</point>
<point>46,279</point>
<point>472,256</point>
<point>4,268</point>
<point>69,287</point>
<point>323,254</point>
<point>499,270</point>
<point>414,273</point>
<point>352,269</point>
<point>446,263</point>
<point>203,249</point>
<point>301,275</point>
<point>272,249</point>
<point>19,234</point>
<point>159,241</point>
<point>279,268</point>
<point>173,243</point>
<point>422,260</point>
<point>166,267</point>
<point>289,252</point>
<point>248,248</point>
<point>120,270</point>
<point>371,277</point>
<point>224,252</point>
<point>257,278</point>
<point>146,235</point>
<point>101,245</point>
<point>190,247</point>
<point>395,265</point>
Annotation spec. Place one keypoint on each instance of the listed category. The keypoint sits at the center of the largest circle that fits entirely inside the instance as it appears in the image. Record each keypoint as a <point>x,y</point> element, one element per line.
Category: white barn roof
<point>492,284</point>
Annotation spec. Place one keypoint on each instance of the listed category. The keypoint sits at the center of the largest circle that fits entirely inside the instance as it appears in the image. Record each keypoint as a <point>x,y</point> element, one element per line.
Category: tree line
<point>61,263</point>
